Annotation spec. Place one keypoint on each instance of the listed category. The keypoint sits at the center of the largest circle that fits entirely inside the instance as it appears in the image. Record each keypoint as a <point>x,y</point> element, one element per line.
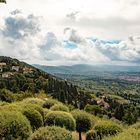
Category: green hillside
<point>19,77</point>
<point>35,105</point>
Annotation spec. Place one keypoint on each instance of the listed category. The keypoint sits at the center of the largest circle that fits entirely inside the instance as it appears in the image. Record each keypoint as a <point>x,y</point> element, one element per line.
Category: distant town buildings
<point>1,66</point>
<point>16,68</point>
<point>7,74</point>
<point>13,70</point>
<point>103,104</point>
<point>27,70</point>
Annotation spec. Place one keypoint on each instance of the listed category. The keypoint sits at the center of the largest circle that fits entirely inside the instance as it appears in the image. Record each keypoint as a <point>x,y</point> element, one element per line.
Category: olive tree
<point>83,121</point>
<point>60,118</point>
<point>51,133</point>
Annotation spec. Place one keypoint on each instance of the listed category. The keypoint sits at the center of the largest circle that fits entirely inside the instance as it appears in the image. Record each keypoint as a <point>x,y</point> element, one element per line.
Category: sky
<point>68,32</point>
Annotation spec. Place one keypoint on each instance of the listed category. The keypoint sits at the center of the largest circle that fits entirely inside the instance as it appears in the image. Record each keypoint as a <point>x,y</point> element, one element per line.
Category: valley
<point>86,101</point>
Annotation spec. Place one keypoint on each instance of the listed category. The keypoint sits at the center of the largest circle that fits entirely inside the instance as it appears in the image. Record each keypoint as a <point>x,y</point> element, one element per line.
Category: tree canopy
<point>2,1</point>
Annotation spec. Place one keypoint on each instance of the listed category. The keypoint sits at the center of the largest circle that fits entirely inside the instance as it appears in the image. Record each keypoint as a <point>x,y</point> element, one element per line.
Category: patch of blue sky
<point>70,44</point>
<point>113,41</point>
<point>110,41</point>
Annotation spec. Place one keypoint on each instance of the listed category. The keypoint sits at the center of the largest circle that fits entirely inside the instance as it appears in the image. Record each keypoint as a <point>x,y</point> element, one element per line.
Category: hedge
<point>35,118</point>
<point>14,125</point>
<point>51,133</point>
<point>59,107</point>
<point>60,118</point>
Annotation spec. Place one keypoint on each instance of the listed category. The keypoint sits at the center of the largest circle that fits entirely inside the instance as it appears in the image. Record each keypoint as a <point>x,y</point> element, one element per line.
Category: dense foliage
<point>60,118</point>
<point>132,133</point>
<point>30,99</point>
<point>102,129</point>
<point>13,125</point>
<point>51,133</point>
<point>93,109</point>
<point>59,107</point>
<point>51,102</point>
<point>83,121</point>
<point>35,118</point>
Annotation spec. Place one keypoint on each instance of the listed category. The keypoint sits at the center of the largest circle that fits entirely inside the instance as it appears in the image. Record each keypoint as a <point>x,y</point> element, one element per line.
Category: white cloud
<point>93,17</point>
<point>38,35</point>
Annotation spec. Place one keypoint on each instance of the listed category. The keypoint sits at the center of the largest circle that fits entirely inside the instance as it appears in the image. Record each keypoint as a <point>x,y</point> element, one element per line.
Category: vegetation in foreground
<point>35,105</point>
<point>32,119</point>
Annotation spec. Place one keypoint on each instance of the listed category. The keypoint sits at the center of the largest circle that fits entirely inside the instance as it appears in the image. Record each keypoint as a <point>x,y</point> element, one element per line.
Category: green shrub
<point>11,107</point>
<point>60,118</point>
<point>59,107</point>
<point>104,128</point>
<point>92,135</point>
<point>3,103</point>
<point>51,133</point>
<point>129,134</point>
<point>71,107</point>
<point>83,121</point>
<point>13,125</point>
<point>36,101</point>
<point>31,111</point>
<point>94,109</point>
<point>50,102</point>
<point>6,95</point>
<point>34,107</point>
<point>35,118</point>
<point>136,126</point>
<point>46,111</point>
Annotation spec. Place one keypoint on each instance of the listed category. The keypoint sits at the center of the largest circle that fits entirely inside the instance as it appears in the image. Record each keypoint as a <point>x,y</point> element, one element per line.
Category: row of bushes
<point>18,120</point>
<point>15,125</point>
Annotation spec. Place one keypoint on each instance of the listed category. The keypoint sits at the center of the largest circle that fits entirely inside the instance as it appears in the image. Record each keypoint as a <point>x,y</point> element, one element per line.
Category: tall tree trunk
<point>80,136</point>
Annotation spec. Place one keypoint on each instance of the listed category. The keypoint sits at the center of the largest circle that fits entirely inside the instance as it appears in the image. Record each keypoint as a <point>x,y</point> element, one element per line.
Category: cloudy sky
<point>67,32</point>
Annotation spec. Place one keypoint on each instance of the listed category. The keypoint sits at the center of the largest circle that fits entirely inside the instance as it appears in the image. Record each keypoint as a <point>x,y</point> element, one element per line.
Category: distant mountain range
<point>82,69</point>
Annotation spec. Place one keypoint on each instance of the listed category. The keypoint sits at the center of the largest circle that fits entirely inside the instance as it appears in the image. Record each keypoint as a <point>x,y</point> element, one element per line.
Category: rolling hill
<point>82,69</point>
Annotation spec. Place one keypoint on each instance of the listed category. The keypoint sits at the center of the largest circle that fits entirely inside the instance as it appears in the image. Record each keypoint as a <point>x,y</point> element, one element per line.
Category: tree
<point>35,118</point>
<point>60,118</point>
<point>131,115</point>
<point>94,109</point>
<point>51,133</point>
<point>6,95</point>
<point>128,118</point>
<point>14,125</point>
<point>103,129</point>
<point>119,112</point>
<point>83,121</point>
<point>2,1</point>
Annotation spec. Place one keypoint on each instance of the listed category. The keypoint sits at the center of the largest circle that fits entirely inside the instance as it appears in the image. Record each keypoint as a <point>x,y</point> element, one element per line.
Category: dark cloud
<point>49,41</point>
<point>73,35</point>
<point>18,27</point>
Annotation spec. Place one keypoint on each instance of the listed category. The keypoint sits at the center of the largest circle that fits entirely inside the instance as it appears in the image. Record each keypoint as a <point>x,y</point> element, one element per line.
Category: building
<point>103,104</point>
<point>27,70</point>
<point>1,66</point>
<point>15,68</point>
<point>6,74</point>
